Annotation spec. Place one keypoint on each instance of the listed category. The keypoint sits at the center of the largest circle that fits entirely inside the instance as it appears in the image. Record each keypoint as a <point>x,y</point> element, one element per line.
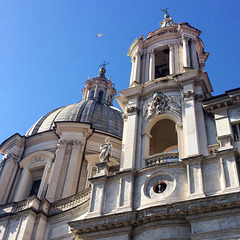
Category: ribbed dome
<point>101,116</point>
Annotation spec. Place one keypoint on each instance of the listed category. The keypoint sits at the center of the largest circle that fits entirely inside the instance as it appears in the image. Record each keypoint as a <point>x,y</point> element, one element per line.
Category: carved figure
<point>106,151</point>
<point>157,105</point>
<point>161,103</point>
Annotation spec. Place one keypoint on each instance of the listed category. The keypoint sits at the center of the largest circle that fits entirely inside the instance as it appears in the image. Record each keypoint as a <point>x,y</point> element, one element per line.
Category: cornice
<point>174,211</point>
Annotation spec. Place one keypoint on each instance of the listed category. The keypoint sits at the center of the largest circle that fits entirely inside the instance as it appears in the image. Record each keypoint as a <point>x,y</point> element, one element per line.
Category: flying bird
<point>99,35</point>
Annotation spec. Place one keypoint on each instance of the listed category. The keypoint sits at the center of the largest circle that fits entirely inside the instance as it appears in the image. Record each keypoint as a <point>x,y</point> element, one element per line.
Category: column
<point>147,67</point>
<point>194,54</point>
<point>136,77</point>
<point>176,57</point>
<point>70,186</point>
<point>151,65</point>
<point>186,53</point>
<point>132,70</point>
<point>96,91</point>
<point>171,59</point>
<point>56,170</point>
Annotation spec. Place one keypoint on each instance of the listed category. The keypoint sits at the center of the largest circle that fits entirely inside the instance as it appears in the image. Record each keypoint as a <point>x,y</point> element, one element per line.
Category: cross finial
<point>166,12</point>
<point>104,64</point>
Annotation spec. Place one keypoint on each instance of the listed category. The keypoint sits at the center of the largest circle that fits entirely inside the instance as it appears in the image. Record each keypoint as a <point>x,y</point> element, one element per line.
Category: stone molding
<point>70,202</point>
<point>181,210</point>
<point>66,142</point>
<point>43,206</point>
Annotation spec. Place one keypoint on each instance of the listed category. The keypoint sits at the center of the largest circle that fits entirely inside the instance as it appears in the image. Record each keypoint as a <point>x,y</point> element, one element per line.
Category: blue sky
<point>48,48</point>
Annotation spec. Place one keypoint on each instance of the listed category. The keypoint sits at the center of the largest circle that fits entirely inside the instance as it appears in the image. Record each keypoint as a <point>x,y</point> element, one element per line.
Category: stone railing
<point>160,158</point>
<point>70,202</point>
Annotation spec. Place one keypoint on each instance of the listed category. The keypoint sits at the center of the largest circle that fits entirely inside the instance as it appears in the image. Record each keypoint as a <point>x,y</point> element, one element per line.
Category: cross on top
<point>104,64</point>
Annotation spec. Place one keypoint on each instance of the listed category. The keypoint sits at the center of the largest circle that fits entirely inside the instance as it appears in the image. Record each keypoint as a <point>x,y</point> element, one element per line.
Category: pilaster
<point>62,144</point>
<point>128,160</point>
<point>190,123</point>
<point>74,166</point>
<point>194,176</point>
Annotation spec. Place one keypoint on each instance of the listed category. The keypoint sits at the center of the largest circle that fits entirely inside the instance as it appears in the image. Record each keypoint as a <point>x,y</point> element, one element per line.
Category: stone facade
<point>172,166</point>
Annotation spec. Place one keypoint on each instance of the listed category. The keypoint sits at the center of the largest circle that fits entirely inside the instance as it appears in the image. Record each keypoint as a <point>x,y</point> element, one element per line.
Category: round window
<point>159,187</point>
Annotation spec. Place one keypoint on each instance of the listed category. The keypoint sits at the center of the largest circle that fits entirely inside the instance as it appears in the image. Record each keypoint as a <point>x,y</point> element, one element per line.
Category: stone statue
<point>106,151</point>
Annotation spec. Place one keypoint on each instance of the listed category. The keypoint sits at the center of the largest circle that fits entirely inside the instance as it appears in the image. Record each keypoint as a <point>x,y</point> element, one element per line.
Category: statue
<point>106,150</point>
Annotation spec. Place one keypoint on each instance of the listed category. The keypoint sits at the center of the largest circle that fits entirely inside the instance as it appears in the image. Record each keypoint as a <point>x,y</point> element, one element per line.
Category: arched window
<point>92,94</point>
<point>100,96</point>
<point>164,137</point>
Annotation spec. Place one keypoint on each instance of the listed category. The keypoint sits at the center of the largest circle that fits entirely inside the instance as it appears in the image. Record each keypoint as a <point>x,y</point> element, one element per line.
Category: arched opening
<point>164,137</point>
<point>100,96</point>
<point>92,94</point>
<point>162,63</point>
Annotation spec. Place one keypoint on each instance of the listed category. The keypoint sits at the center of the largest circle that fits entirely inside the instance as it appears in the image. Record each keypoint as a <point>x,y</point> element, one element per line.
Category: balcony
<point>162,158</point>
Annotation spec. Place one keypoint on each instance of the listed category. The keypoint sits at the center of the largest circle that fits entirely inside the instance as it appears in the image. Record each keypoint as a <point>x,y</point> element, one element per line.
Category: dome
<point>101,116</point>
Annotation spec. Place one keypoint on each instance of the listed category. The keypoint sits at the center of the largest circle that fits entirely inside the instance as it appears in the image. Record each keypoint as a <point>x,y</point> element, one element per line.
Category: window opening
<point>164,137</point>
<point>92,94</point>
<point>35,187</point>
<point>100,96</point>
<point>162,63</point>
<point>236,132</point>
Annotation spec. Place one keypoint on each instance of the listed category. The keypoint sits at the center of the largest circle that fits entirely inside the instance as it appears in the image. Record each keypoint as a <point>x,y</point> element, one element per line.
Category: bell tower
<point>162,104</point>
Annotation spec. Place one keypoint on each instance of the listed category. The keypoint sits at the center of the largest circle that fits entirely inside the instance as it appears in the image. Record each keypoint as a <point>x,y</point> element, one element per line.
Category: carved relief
<point>76,143</point>
<point>37,159</point>
<point>188,95</point>
<point>8,157</point>
<point>132,110</point>
<point>162,103</point>
<point>62,143</point>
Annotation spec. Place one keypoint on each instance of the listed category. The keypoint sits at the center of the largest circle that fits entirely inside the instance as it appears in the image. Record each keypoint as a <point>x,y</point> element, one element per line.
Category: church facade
<point>166,166</point>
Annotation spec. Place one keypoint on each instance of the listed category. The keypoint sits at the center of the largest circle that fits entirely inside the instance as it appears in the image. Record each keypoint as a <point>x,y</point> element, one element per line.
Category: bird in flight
<point>99,35</point>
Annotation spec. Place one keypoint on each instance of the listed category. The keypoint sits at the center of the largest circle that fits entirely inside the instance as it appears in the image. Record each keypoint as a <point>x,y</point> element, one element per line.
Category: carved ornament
<point>132,110</point>
<point>161,103</point>
<point>188,95</point>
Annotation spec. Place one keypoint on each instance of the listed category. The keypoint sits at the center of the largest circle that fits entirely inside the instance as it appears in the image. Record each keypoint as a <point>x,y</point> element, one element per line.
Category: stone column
<point>137,66</point>
<point>177,57</point>
<point>190,122</point>
<point>128,158</point>
<point>132,70</point>
<point>56,170</point>
<point>147,67</point>
<point>96,91</point>
<point>194,58</point>
<point>151,65</point>
<point>70,186</point>
<point>171,59</point>
<point>186,53</point>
